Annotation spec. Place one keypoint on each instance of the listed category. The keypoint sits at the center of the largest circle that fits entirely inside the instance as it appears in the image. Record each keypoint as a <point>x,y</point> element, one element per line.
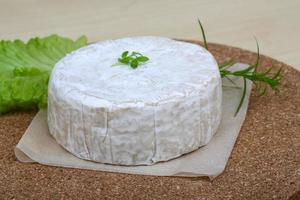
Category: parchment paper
<point>37,145</point>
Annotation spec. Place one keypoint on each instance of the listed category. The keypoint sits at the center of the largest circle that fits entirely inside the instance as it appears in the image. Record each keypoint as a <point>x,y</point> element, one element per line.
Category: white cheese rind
<point>165,108</point>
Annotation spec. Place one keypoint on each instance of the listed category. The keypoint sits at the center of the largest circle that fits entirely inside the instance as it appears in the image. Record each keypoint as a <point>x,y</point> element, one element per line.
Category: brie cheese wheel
<point>168,106</point>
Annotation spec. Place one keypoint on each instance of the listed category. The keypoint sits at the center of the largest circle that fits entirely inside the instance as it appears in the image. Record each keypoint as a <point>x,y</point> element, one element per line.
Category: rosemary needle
<point>203,34</point>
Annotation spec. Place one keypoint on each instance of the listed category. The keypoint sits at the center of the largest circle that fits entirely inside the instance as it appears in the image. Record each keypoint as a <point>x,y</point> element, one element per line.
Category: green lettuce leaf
<point>25,69</point>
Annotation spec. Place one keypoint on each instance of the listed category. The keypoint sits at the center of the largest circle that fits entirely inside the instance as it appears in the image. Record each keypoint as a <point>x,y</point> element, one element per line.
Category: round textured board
<point>264,163</point>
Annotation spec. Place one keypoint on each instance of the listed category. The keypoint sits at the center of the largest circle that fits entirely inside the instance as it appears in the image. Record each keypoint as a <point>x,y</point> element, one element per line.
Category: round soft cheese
<point>168,106</point>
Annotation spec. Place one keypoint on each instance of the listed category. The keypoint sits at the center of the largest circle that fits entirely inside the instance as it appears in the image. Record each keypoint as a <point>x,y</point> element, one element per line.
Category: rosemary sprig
<point>262,80</point>
<point>133,60</point>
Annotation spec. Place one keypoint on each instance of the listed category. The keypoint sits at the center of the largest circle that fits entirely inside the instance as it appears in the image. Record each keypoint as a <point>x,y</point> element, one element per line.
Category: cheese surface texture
<point>169,106</point>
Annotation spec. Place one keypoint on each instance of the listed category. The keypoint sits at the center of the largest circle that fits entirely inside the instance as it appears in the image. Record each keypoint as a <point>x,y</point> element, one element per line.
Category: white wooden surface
<point>275,23</point>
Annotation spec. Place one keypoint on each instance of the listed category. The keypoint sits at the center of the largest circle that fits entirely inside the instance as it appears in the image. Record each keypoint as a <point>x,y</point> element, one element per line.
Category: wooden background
<point>275,23</point>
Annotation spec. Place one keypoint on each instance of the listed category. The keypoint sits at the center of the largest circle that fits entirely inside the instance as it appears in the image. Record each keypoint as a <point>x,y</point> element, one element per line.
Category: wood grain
<point>275,23</point>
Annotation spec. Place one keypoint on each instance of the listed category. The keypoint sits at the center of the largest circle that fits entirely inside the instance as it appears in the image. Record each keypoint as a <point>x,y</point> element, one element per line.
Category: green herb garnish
<point>133,60</point>
<point>262,80</point>
<point>25,69</point>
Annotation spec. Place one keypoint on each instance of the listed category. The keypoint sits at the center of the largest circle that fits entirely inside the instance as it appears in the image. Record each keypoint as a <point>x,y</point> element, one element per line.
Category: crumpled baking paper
<point>37,145</point>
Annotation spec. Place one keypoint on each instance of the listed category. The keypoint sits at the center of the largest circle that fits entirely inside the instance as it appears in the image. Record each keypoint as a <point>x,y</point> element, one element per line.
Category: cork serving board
<point>264,164</point>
